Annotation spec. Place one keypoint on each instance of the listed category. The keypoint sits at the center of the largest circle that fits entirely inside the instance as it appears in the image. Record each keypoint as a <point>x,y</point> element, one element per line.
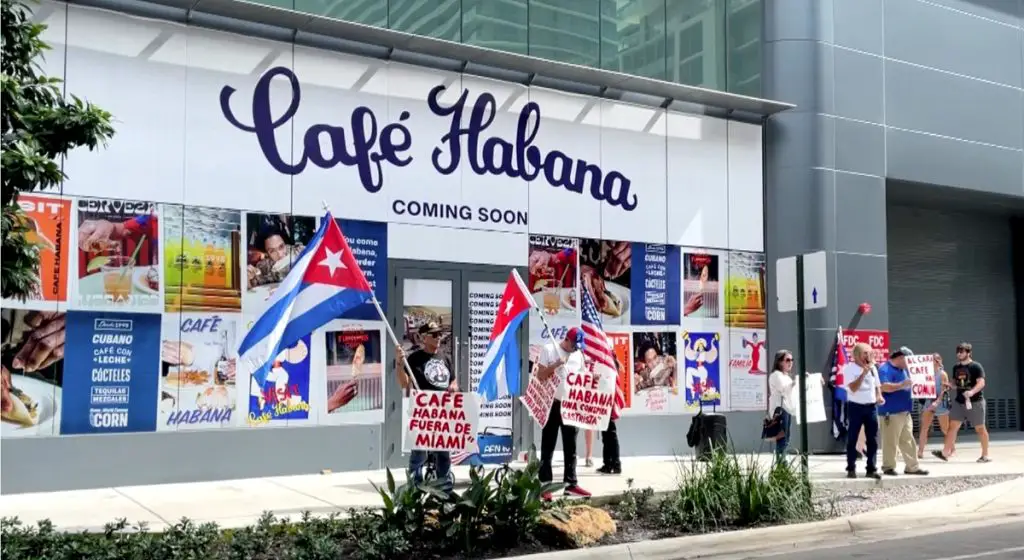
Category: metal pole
<point>801,350</point>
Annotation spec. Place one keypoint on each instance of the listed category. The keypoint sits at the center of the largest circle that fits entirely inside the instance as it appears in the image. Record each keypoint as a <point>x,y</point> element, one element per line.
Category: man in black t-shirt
<point>431,372</point>
<point>968,378</point>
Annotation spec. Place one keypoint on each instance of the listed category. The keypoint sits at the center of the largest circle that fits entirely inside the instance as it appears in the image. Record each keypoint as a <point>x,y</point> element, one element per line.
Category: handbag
<point>772,428</point>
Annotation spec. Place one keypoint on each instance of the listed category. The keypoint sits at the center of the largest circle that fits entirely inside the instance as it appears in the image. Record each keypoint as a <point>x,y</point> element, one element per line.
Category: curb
<point>787,538</point>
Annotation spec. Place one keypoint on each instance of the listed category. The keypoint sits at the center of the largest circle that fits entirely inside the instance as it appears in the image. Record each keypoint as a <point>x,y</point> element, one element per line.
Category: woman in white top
<point>780,384</point>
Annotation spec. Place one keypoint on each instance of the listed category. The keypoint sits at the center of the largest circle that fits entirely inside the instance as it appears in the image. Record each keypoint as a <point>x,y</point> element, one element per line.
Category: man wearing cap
<point>552,358</point>
<point>896,423</point>
<point>432,372</point>
<point>969,404</point>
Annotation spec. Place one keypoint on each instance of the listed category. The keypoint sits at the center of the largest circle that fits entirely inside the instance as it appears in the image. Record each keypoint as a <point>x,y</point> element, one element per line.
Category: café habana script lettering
<point>368,146</point>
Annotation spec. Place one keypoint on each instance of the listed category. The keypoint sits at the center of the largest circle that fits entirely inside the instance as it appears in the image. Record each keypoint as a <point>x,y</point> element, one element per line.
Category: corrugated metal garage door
<point>951,279</point>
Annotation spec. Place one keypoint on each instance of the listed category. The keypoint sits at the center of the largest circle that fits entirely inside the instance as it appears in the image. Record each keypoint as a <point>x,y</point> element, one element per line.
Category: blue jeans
<point>782,444</point>
<point>442,466</point>
<point>866,416</point>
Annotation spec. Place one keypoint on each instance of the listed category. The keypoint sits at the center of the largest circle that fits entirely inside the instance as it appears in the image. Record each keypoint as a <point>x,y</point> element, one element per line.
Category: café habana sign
<point>369,145</point>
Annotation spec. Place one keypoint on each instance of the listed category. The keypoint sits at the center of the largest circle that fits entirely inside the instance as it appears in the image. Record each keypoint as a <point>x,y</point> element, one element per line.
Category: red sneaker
<point>546,497</point>
<point>576,492</point>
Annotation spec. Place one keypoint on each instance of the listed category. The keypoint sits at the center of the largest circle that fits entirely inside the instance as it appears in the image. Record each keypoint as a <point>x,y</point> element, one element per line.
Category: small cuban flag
<point>324,283</point>
<point>500,377</point>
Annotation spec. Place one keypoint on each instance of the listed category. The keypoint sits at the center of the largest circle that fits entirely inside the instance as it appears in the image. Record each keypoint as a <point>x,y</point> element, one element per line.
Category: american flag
<point>598,348</point>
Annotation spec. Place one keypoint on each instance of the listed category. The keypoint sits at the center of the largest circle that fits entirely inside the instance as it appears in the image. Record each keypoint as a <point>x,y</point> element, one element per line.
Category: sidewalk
<point>238,503</point>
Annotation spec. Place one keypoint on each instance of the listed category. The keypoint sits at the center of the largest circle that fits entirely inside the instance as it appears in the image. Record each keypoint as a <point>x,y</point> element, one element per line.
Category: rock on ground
<point>585,526</point>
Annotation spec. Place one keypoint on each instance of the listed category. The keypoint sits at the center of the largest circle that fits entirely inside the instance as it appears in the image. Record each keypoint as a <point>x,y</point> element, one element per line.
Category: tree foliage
<point>40,126</point>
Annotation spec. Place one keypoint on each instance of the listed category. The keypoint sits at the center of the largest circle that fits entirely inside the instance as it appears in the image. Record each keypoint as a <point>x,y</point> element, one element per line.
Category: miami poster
<point>702,368</point>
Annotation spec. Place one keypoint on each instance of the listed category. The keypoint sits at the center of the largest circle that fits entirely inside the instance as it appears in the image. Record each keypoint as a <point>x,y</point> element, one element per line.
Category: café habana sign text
<point>368,146</point>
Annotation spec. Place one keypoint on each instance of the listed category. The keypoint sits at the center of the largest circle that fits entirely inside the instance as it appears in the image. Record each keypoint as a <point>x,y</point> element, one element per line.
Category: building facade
<point>903,161</point>
<point>630,146</point>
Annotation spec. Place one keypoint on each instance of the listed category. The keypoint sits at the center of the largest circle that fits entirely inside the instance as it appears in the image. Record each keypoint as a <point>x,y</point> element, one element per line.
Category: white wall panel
<point>430,243</point>
<point>698,181</point>
<point>746,190</point>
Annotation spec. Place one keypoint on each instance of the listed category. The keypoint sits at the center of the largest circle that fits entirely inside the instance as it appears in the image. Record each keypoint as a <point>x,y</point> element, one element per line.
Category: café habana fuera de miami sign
<point>368,146</point>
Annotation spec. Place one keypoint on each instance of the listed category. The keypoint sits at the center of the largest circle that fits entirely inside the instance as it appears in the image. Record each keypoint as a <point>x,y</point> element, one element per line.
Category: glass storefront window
<point>367,12</point>
<point>566,30</point>
<point>633,37</point>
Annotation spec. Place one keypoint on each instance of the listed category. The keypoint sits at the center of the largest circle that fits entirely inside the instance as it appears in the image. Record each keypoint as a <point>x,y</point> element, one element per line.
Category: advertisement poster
<point>198,359</point>
<point>32,374</point>
<point>284,395</point>
<point>748,370</point>
<point>273,242</point>
<point>702,287</point>
<point>441,421</point>
<point>369,244</point>
<point>118,255</point>
<point>201,259</point>
<point>745,291</point>
<point>655,373</point>
<point>922,372</point>
<point>110,382</point>
<point>703,368</point>
<point>354,375</point>
<point>46,221</point>
<point>552,279</point>
<point>655,284</point>
<point>623,353</point>
<point>495,425</point>
<point>606,270</point>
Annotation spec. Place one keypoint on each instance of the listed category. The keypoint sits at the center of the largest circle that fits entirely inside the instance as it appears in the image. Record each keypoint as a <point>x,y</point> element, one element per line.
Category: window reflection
<point>496,24</point>
<point>367,12</point>
<point>566,30</point>
<point>441,19</point>
<point>633,38</point>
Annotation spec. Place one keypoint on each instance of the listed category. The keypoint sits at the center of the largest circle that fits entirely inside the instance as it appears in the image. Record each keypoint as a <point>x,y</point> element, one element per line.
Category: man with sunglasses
<point>864,395</point>
<point>968,378</point>
<point>432,372</point>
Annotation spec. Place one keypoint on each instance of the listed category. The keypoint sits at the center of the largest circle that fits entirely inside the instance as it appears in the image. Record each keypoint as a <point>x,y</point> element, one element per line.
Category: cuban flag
<point>323,284</point>
<point>500,377</point>
<point>599,349</point>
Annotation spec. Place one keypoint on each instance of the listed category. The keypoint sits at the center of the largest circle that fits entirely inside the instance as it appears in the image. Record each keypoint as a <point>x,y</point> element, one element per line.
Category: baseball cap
<point>430,327</point>
<point>576,336</point>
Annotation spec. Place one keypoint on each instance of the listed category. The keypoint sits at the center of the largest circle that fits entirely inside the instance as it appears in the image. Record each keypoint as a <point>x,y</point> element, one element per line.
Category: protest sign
<point>815,399</point>
<point>539,397</point>
<point>922,373</point>
<point>441,421</point>
<point>589,399</point>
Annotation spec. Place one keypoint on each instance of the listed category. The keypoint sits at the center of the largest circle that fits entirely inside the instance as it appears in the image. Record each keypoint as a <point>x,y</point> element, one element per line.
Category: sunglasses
<point>962,350</point>
<point>787,359</point>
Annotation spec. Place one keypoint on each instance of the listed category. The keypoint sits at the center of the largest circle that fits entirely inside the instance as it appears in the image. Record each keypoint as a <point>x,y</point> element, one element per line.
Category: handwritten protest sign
<point>922,373</point>
<point>589,399</point>
<point>539,397</point>
<point>815,396</point>
<point>441,421</point>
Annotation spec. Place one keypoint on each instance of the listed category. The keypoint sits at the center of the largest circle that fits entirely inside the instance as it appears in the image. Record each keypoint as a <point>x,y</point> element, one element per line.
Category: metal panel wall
<point>951,279</point>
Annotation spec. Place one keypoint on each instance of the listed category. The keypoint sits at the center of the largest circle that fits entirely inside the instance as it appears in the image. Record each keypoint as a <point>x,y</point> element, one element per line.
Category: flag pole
<point>384,319</point>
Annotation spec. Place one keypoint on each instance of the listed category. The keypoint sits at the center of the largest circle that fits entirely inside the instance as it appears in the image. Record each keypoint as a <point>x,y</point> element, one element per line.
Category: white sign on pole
<point>785,284</point>
<point>815,281</point>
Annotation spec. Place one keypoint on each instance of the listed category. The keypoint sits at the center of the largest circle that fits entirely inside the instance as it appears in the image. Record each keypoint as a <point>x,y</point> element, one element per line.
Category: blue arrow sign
<point>814,295</point>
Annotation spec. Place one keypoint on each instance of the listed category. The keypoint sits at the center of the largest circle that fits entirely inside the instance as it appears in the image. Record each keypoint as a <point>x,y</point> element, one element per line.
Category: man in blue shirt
<point>896,423</point>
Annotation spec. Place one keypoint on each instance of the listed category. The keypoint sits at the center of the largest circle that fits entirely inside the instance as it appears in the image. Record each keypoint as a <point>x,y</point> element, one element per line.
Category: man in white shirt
<point>864,394</point>
<point>552,359</point>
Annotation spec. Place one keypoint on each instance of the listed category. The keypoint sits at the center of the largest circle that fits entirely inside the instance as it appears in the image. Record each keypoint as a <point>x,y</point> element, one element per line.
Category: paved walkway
<point>240,502</point>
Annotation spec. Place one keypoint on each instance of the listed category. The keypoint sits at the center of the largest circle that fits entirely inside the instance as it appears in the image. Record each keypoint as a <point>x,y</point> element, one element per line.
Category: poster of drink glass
<point>118,255</point>
<point>273,242</point>
<point>702,368</point>
<point>748,368</point>
<point>110,382</point>
<point>702,286</point>
<point>282,396</point>
<point>552,279</point>
<point>47,224</point>
<point>202,258</point>
<point>32,372</point>
<point>655,373</point>
<point>605,271</point>
<point>745,291</point>
<point>354,374</point>
<point>198,364</point>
